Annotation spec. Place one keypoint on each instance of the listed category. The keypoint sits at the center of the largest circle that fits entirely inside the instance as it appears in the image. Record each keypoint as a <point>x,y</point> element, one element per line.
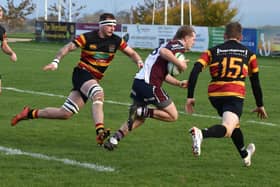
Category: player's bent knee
<point>227,135</point>
<point>174,117</point>
<point>70,108</point>
<point>98,99</point>
<point>95,93</point>
<point>228,132</point>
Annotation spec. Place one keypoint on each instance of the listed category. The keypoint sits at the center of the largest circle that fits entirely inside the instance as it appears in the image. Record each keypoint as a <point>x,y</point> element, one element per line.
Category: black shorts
<point>79,77</point>
<point>144,94</point>
<point>231,104</point>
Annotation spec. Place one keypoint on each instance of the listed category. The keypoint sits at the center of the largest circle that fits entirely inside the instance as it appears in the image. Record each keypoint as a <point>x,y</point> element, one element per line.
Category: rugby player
<point>98,49</point>
<point>229,64</point>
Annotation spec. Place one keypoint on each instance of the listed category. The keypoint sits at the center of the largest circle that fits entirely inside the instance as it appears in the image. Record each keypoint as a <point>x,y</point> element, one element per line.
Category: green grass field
<point>64,153</point>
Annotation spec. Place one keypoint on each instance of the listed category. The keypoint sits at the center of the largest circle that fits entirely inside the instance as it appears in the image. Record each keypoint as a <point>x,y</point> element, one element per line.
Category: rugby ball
<point>172,69</point>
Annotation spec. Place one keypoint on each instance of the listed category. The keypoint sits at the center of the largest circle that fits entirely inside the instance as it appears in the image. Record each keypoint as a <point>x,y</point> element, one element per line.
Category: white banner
<point>202,39</point>
<point>152,36</point>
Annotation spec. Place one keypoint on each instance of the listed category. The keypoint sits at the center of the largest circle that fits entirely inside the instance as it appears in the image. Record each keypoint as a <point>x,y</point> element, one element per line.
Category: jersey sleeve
<point>257,91</point>
<point>80,41</point>
<point>254,79</point>
<point>197,68</point>
<point>200,64</point>
<point>175,46</point>
<point>123,44</point>
<point>253,65</point>
<point>205,58</point>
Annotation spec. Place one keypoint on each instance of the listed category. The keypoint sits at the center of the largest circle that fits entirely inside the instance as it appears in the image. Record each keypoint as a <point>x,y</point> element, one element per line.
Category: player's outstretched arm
<point>134,56</point>
<point>62,52</point>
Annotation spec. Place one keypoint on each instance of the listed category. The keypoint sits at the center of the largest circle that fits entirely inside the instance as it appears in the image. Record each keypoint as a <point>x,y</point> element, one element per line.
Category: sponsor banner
<point>54,31</point>
<point>263,41</point>
<point>269,41</point>
<point>143,36</point>
<point>250,39</point>
<point>152,36</point>
<point>202,39</point>
<point>216,36</point>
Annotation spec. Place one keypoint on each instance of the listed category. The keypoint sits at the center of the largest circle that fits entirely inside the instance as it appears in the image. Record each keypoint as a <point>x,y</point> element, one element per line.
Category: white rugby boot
<point>197,140</point>
<point>251,148</point>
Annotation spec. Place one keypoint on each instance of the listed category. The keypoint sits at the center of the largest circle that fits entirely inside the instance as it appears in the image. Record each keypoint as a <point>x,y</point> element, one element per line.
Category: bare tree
<point>65,10</point>
<point>15,16</point>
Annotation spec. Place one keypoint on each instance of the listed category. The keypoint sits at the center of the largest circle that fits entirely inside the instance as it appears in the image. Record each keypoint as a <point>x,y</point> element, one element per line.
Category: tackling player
<point>147,86</point>
<point>98,49</point>
<point>229,63</point>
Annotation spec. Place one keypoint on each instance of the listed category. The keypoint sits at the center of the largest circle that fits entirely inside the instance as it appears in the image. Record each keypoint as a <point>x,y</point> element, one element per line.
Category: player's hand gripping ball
<point>172,68</point>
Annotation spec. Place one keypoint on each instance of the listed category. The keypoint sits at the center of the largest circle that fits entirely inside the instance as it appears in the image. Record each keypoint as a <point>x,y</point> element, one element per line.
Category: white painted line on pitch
<point>262,123</point>
<point>127,104</point>
<point>54,95</point>
<point>202,115</point>
<point>33,92</point>
<point>10,151</point>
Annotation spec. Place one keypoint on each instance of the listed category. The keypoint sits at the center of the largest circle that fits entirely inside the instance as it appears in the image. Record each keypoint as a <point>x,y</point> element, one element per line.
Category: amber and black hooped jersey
<point>2,33</point>
<point>230,63</point>
<point>97,53</point>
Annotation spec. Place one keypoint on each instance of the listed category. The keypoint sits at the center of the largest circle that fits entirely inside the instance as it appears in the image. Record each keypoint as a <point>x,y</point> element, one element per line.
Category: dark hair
<point>105,16</point>
<point>184,31</point>
<point>233,30</point>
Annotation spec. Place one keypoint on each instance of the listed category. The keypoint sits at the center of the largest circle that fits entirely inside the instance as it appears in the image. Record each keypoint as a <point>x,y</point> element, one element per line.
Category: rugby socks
<point>145,112</point>
<point>32,114</point>
<point>99,127</point>
<point>150,113</point>
<point>119,135</point>
<point>216,131</point>
<point>238,140</point>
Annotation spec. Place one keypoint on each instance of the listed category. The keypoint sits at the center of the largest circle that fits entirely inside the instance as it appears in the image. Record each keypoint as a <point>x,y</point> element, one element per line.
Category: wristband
<point>180,83</point>
<point>55,62</point>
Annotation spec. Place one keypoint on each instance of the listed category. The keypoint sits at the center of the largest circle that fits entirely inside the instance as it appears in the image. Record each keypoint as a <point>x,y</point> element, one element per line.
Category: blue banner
<point>250,39</point>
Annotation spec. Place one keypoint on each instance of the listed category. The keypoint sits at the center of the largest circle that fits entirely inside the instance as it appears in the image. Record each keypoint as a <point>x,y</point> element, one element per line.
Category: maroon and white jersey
<point>155,67</point>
